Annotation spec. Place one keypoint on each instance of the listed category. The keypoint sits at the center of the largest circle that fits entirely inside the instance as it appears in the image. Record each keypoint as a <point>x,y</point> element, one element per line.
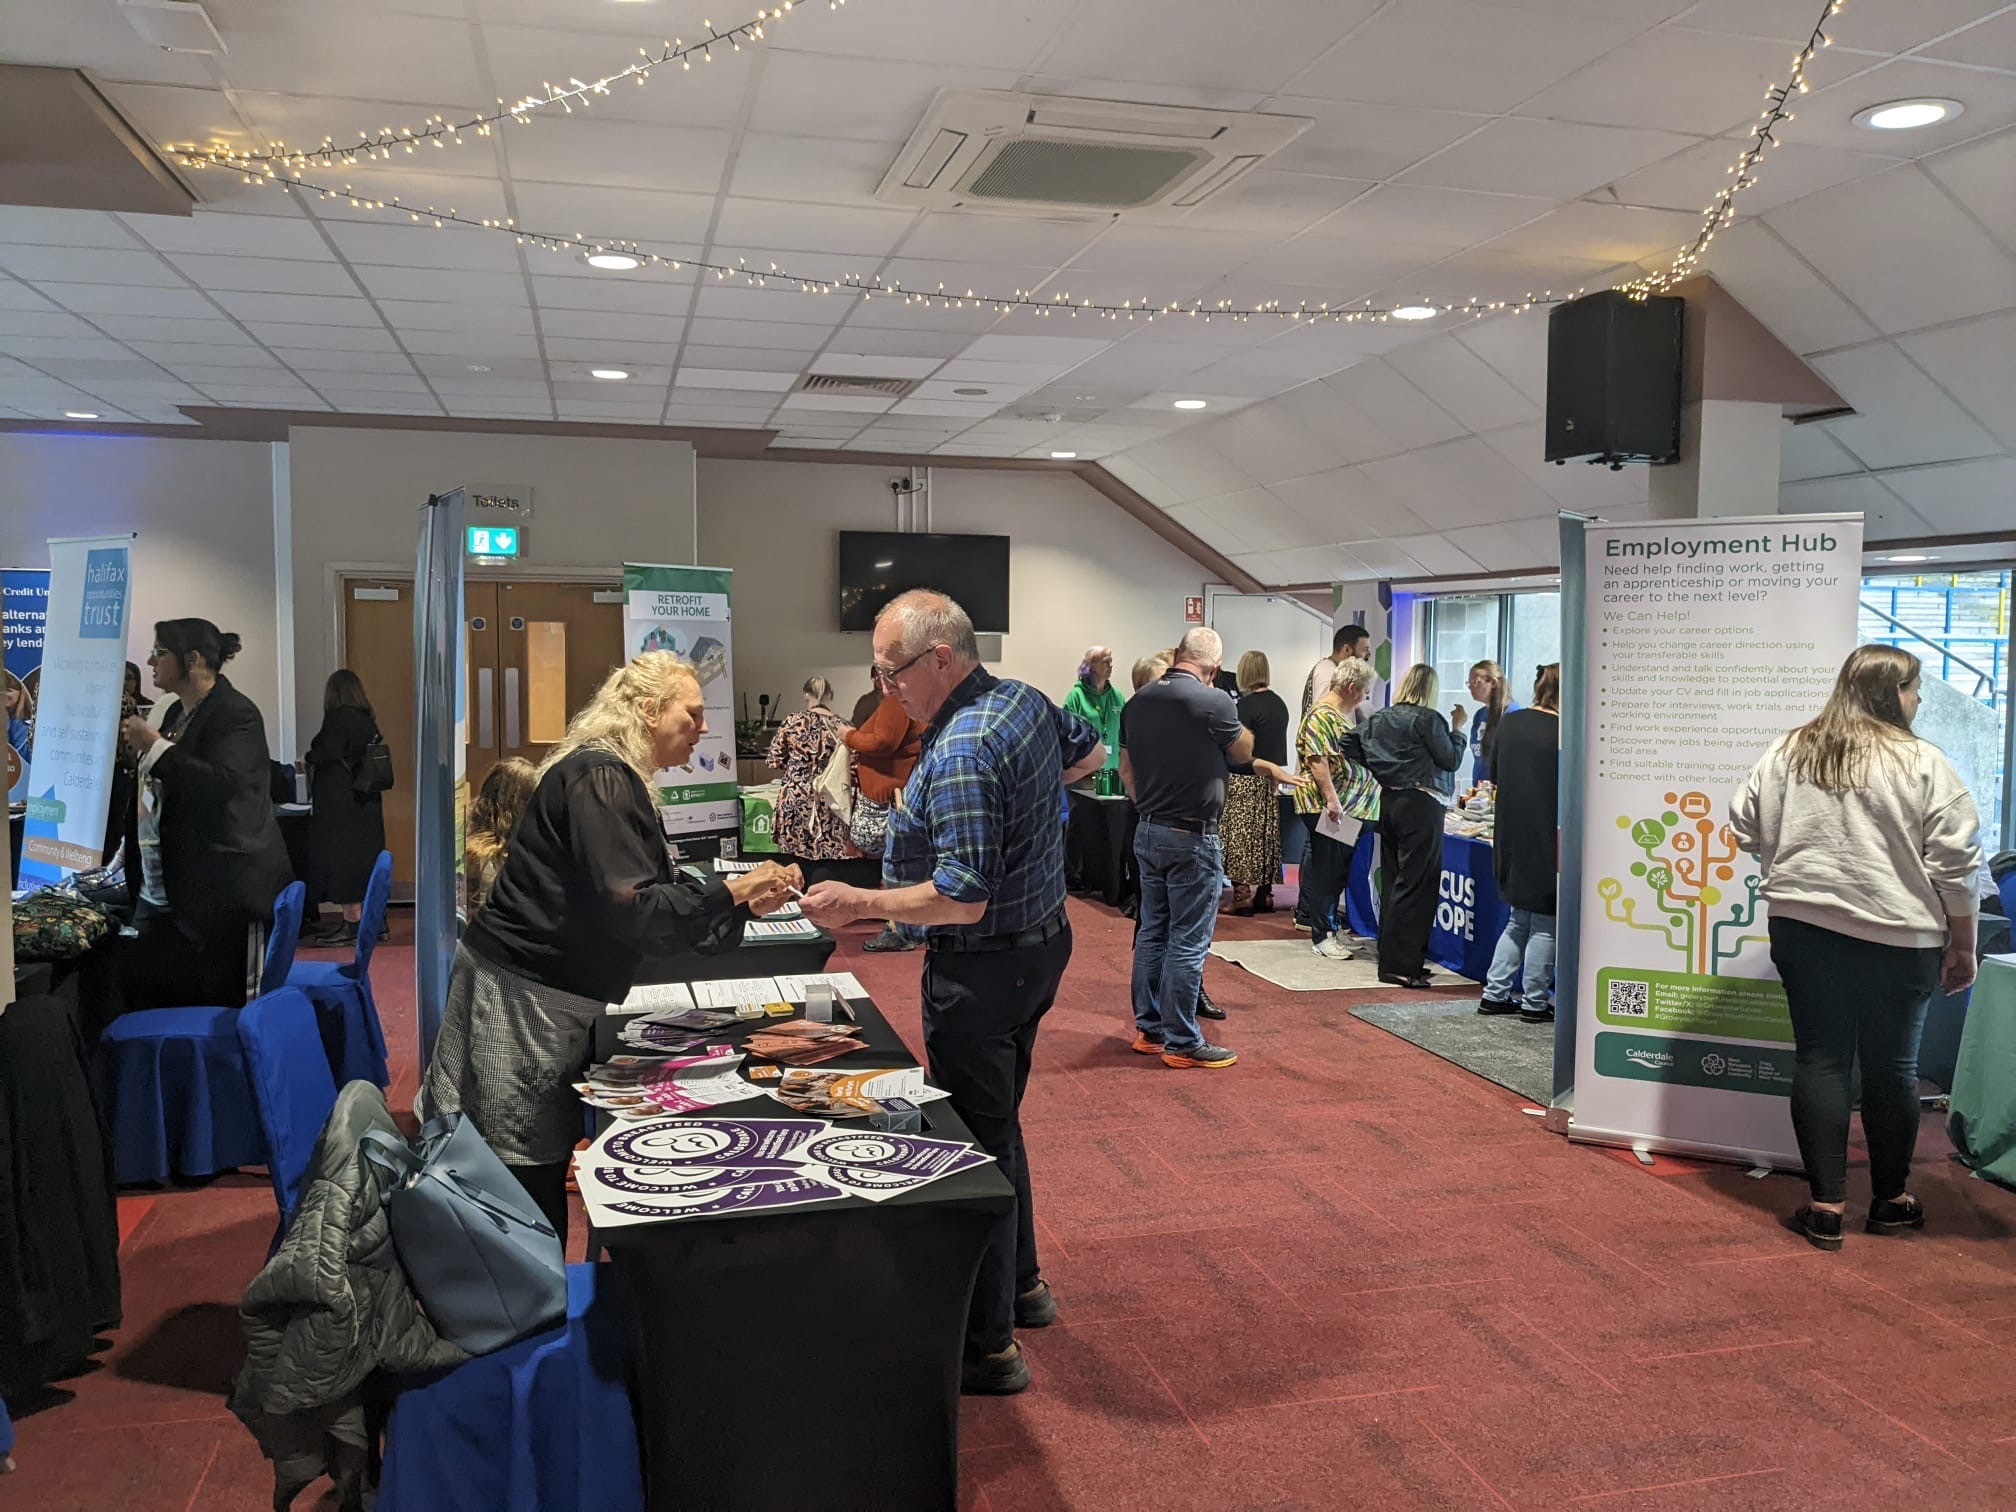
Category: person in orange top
<point>885,748</point>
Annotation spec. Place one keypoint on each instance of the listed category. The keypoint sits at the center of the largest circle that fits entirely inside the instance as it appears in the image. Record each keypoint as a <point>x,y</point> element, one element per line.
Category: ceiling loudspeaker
<point>991,149</point>
<point>1613,379</point>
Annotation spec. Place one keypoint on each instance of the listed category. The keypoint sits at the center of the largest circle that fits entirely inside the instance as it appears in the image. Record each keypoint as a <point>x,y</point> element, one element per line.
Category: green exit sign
<point>493,540</point>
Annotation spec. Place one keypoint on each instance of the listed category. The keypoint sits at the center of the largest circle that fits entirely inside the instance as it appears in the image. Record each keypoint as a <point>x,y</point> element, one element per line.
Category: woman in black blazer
<point>346,830</point>
<point>206,859</point>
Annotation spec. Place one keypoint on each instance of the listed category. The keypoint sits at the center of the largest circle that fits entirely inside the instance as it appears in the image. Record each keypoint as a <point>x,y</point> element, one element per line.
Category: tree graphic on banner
<point>1688,856</point>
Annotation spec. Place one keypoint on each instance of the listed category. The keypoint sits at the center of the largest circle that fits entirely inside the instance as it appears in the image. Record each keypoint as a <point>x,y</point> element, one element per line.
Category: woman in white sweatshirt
<point>1871,845</point>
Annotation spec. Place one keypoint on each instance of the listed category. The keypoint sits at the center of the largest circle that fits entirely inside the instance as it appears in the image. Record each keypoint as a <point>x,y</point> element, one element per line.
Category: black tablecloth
<point>59,1227</point>
<point>293,819</point>
<point>1096,842</point>
<point>751,958</point>
<point>810,1355</point>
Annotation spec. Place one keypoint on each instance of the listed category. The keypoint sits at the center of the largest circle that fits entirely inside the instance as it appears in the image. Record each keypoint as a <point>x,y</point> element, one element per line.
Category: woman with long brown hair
<point>346,828</point>
<point>1494,702</point>
<point>1870,845</point>
<point>493,815</point>
<point>1525,852</point>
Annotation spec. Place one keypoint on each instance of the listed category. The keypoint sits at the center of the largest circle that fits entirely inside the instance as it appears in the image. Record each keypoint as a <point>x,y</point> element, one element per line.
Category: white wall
<point>203,513</point>
<point>1080,569</point>
<point>357,494</point>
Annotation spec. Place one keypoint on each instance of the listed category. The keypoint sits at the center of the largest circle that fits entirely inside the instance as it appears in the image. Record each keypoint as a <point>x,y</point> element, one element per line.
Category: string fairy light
<point>1721,210</point>
<point>268,169</point>
<point>441,132</point>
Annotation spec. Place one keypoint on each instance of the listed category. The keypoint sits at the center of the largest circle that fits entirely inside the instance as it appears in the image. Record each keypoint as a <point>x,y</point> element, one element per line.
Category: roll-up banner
<point>441,788</point>
<point>24,611</point>
<point>1700,643</point>
<point>685,610</point>
<point>77,708</point>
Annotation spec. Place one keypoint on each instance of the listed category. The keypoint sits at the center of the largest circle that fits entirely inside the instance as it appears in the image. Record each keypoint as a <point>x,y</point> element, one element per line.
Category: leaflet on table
<point>844,984</point>
<point>658,997</point>
<point>848,1094</point>
<point>780,929</point>
<point>736,992</point>
<point>650,1087</point>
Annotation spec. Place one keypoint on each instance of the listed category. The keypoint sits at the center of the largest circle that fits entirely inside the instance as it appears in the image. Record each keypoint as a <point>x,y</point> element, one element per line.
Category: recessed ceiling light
<point>1191,403</point>
<point>1416,312</point>
<point>477,367</point>
<point>1907,115</point>
<point>80,414</point>
<point>610,375</point>
<point>614,262</point>
<point>980,391</point>
<point>1908,559</point>
<point>1062,456</point>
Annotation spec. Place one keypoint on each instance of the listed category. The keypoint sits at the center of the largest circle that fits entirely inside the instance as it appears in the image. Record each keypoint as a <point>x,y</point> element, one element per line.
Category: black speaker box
<point>1613,379</point>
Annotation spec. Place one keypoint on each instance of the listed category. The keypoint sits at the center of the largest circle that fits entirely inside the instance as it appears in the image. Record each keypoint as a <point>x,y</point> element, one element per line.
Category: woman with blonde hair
<point>587,884</point>
<point>1870,845</point>
<point>1251,825</point>
<point>1409,747</point>
<point>492,817</point>
<point>1495,701</point>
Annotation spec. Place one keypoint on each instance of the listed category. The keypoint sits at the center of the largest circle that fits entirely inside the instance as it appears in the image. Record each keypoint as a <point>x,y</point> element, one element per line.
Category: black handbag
<point>374,772</point>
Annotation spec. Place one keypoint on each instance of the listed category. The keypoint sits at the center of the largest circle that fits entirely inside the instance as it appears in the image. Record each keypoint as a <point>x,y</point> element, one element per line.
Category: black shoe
<point>1544,1016</point>
<point>345,936</point>
<point>1821,1228</point>
<point>889,939</point>
<point>1418,983</point>
<point>1001,1374</point>
<point>1207,1009</point>
<point>1496,1005</point>
<point>1036,1307</point>
<point>1263,901</point>
<point>1895,1217</point>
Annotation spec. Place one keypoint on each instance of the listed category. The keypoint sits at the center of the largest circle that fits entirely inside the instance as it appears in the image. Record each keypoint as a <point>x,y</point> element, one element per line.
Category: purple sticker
<point>901,1154</point>
<point>709,1141</point>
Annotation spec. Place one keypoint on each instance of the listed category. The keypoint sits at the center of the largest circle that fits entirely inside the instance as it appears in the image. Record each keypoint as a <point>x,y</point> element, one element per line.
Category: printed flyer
<point>685,610</point>
<point>1703,641</point>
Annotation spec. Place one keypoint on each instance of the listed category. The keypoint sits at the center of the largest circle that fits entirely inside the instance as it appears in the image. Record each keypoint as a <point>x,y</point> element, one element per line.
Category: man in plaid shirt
<point>975,859</point>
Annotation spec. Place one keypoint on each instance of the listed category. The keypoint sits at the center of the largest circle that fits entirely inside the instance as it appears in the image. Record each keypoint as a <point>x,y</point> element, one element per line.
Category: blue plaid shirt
<point>979,818</point>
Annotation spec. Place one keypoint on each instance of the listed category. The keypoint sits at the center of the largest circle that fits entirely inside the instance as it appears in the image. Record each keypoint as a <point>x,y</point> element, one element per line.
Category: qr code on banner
<point>1630,1000</point>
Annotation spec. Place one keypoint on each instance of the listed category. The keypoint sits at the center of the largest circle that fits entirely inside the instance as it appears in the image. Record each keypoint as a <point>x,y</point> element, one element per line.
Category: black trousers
<point>981,1012</point>
<point>1853,997</point>
<point>182,963</point>
<point>1410,871</point>
<point>1326,867</point>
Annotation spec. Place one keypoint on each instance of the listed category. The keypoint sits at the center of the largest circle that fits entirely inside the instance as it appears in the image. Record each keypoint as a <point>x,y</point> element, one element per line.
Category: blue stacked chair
<point>352,1036</point>
<point>291,1087</point>
<point>177,1094</point>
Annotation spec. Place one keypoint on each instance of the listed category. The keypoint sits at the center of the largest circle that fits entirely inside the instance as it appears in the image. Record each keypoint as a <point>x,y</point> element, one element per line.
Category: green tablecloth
<point>1982,1120</point>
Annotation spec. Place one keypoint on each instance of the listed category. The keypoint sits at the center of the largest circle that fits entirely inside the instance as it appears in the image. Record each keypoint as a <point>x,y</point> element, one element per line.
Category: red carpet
<point>1342,1274</point>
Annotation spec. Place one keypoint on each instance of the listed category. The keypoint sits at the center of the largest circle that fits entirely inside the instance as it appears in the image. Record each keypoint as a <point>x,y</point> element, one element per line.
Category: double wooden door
<point>534,653</point>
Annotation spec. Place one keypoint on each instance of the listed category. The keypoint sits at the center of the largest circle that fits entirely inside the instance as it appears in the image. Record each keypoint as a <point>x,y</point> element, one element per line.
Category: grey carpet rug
<point>1498,1048</point>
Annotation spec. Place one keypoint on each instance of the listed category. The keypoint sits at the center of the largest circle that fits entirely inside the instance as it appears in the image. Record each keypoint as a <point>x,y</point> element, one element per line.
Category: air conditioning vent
<point>845,383</point>
<point>1048,155</point>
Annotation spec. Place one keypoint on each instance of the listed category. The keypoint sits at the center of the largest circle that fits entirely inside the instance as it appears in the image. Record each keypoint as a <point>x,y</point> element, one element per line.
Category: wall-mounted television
<point>877,565</point>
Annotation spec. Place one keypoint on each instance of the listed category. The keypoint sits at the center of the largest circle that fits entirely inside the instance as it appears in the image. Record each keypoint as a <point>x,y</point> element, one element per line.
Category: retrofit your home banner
<point>685,610</point>
<point>1702,642</point>
<point>77,713</point>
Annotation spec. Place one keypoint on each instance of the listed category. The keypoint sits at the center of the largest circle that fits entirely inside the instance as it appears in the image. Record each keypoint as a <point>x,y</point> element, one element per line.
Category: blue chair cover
<point>545,1425</point>
<point>176,1094</point>
<point>352,1036</point>
<point>291,1085</point>
<point>285,936</point>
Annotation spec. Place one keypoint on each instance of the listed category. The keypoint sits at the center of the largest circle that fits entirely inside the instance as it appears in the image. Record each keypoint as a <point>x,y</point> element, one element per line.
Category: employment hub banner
<point>24,612</point>
<point>684,610</point>
<point>1701,642</point>
<point>77,716</point>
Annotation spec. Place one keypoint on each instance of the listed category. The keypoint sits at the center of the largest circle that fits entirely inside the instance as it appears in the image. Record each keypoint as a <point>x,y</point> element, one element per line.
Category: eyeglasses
<point>888,677</point>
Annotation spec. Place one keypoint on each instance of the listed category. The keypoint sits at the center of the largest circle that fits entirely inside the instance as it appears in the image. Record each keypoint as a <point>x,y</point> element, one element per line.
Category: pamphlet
<point>773,929</point>
<point>657,997</point>
<point>849,1094</point>
<point>732,993</point>
<point>844,984</point>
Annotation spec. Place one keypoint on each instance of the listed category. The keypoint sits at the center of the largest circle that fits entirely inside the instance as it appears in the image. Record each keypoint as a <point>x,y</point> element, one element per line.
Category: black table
<point>822,1341</point>
<point>59,1226</point>
<point>1097,839</point>
<point>753,958</point>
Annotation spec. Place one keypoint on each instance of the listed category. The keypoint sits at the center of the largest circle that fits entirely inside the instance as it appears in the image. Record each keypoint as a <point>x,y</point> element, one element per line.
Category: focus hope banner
<point>685,610</point>
<point>1699,643</point>
<point>77,713</point>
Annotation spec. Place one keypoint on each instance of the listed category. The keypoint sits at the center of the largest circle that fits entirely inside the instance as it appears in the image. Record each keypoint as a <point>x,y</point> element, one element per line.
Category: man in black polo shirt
<point>1178,737</point>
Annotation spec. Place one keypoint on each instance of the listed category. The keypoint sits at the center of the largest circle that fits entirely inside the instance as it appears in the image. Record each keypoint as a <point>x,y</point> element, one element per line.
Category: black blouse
<point>589,888</point>
<point>1264,713</point>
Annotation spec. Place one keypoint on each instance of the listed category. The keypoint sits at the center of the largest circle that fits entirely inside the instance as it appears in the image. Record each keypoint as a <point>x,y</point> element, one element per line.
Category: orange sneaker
<point>1145,1046</point>
<point>1208,1056</point>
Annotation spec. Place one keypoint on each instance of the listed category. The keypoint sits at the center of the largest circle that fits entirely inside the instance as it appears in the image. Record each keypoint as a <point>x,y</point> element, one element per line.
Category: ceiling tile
<point>672,225</point>
<point>1367,142</point>
<point>1969,497</point>
<point>1901,418</point>
<point>1460,381</point>
<point>724,300</point>
<point>868,365</point>
<point>53,323</point>
<point>1691,177</point>
<point>321,338</point>
<point>855,98</point>
<point>1486,57</point>
<point>1883,517</point>
<point>1875,28</point>
<point>825,170</point>
<point>1976,363</point>
<point>730,335</point>
<point>1557,159</point>
<point>87,265</point>
<point>740,379</point>
<point>35,226</point>
<point>1276,204</point>
<point>1032,241</point>
<point>870,404</point>
<point>121,299</point>
<point>1407,417</point>
<point>1826,118</point>
<point>1132,40</point>
<point>595,323</point>
<point>1586,231</point>
<point>590,150</point>
<point>267,275</point>
<point>232,235</point>
<point>834,232</point>
<point>1979,174</point>
<point>350,52</point>
<point>1781,290</point>
<point>403,245</point>
<point>1438,555</point>
<point>1807,451</point>
<point>1515,348</point>
<point>216,330</point>
<point>186,357</point>
<point>1675,80</point>
<point>344,362</point>
<point>1450,218</point>
<point>1583,488</point>
<point>1922,228</point>
<point>299,309</point>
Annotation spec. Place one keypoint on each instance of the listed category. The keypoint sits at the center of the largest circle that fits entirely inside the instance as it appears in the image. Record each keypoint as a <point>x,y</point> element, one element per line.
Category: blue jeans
<point>1180,878</point>
<point>1527,944</point>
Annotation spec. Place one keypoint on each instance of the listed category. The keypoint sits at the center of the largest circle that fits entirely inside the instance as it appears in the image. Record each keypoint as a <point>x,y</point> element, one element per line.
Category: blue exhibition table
<point>1468,916</point>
